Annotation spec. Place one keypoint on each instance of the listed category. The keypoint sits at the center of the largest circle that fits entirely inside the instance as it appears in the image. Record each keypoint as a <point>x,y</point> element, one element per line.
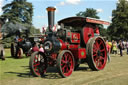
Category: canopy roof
<point>81,21</point>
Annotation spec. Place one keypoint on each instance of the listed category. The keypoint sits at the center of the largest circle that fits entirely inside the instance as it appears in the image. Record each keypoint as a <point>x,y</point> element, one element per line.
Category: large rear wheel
<point>38,64</point>
<point>13,49</point>
<point>96,53</point>
<point>65,63</point>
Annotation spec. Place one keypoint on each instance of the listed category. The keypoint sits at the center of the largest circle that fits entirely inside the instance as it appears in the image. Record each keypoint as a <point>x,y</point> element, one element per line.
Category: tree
<point>17,15</point>
<point>90,12</point>
<point>19,11</point>
<point>119,26</point>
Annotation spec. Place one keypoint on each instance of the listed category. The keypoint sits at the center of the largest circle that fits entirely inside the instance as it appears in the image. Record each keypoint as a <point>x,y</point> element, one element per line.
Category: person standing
<point>121,47</point>
<point>114,47</point>
<point>127,46</point>
<point>108,50</point>
<point>110,45</point>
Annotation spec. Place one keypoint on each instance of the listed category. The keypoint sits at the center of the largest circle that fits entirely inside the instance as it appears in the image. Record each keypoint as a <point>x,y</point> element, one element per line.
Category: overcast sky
<point>67,8</point>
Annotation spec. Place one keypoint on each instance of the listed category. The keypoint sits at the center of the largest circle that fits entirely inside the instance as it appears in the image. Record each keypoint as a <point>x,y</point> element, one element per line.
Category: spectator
<point>120,47</point>
<point>110,45</point>
<point>114,47</point>
<point>35,48</point>
<point>124,44</point>
<point>41,48</point>
<point>127,46</point>
<point>108,50</point>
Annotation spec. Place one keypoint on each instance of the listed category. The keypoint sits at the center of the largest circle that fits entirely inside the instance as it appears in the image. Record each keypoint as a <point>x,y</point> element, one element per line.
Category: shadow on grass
<point>24,74</point>
<point>9,57</point>
<point>52,72</point>
<point>19,74</point>
<point>17,58</point>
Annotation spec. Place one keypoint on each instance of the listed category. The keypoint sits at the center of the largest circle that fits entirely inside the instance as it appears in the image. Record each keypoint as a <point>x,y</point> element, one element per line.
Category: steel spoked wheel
<point>65,63</point>
<point>19,53</point>
<point>97,53</point>
<point>38,64</point>
<point>13,50</point>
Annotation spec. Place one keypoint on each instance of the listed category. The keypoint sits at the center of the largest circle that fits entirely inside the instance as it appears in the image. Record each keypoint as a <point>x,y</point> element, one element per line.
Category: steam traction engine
<point>23,44</point>
<point>69,45</point>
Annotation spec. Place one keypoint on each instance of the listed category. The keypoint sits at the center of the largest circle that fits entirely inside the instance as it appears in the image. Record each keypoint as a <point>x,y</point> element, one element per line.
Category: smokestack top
<point>51,9</point>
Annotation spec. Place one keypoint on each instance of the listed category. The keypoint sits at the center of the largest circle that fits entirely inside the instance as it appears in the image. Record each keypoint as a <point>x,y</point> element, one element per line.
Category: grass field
<point>16,72</point>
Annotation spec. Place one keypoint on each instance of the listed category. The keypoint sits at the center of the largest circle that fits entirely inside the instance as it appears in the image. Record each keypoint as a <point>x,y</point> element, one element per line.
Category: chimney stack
<point>51,12</point>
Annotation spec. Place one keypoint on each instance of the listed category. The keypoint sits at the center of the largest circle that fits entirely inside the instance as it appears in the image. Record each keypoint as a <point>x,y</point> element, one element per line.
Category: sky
<point>67,8</point>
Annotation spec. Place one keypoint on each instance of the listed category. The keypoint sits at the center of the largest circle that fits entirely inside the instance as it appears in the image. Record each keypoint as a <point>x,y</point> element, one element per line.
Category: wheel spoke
<point>94,54</point>
<point>63,68</point>
<point>101,58</point>
<point>100,43</point>
<point>95,59</point>
<point>65,57</point>
<point>94,50</point>
<point>67,69</point>
<point>63,61</point>
<point>69,59</point>
<point>97,62</point>
<point>100,64</point>
<point>102,50</point>
<point>97,45</point>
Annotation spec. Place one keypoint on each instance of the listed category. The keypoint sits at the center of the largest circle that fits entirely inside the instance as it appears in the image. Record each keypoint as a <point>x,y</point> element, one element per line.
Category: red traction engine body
<point>75,41</point>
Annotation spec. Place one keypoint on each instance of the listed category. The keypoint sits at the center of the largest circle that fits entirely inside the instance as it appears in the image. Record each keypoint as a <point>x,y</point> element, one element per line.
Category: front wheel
<point>19,53</point>
<point>65,63</point>
<point>38,64</point>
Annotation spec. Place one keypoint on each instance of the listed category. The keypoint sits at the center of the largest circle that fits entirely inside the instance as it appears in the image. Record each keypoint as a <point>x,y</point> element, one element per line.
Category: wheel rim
<point>39,64</point>
<point>13,50</point>
<point>67,65</point>
<point>99,53</point>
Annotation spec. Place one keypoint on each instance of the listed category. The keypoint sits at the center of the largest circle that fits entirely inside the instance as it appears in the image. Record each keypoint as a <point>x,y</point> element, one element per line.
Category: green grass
<point>11,67</point>
<point>16,72</point>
